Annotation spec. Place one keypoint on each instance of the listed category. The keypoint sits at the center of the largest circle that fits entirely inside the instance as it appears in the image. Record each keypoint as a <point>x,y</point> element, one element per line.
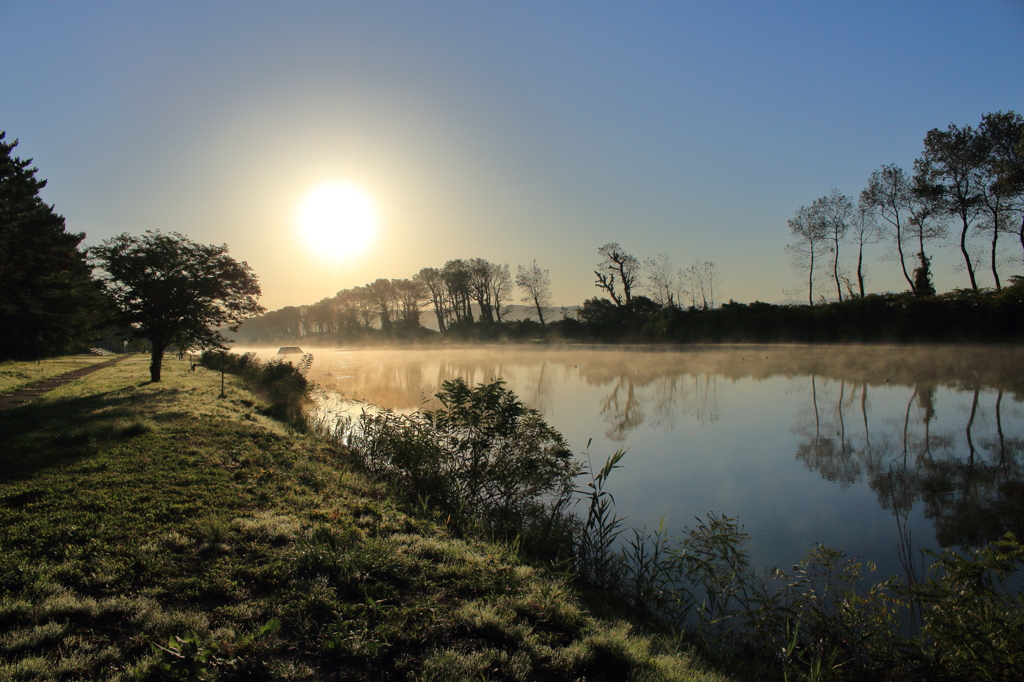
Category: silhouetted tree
<point>923,277</point>
<point>384,299</point>
<point>702,280</point>
<point>811,241</point>
<point>952,161</point>
<point>835,212</point>
<point>864,231</point>
<point>536,285</point>
<point>169,289</point>
<point>1004,162</point>
<point>411,296</point>
<point>889,193</point>
<point>1001,142</point>
<point>49,300</point>
<point>433,283</point>
<point>618,269</point>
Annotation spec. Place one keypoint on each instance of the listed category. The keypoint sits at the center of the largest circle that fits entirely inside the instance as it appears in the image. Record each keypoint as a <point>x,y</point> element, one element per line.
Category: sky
<point>510,131</point>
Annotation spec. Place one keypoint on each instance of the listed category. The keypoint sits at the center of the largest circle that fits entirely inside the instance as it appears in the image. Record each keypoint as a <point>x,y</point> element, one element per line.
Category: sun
<point>338,220</point>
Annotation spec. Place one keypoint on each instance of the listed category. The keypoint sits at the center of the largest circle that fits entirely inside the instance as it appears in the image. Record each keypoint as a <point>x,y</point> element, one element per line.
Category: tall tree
<point>49,301</point>
<point>1001,142</point>
<point>433,283</point>
<point>618,269</point>
<point>662,280</point>
<point>889,193</point>
<point>169,289</point>
<point>501,290</point>
<point>411,296</point>
<point>811,241</point>
<point>457,278</point>
<point>951,161</point>
<point>384,299</point>
<point>702,280</point>
<point>864,231</point>
<point>536,285</point>
<point>835,212</point>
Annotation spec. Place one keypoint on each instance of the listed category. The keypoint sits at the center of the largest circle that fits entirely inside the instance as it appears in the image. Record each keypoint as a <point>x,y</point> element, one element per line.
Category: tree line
<point>966,191</point>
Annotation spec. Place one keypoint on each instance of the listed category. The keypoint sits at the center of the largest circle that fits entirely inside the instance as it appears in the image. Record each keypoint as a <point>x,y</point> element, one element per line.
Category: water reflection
<point>966,471</point>
<point>745,430</point>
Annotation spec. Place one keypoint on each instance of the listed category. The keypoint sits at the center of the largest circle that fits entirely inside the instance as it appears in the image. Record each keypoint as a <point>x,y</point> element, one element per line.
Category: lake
<point>803,444</point>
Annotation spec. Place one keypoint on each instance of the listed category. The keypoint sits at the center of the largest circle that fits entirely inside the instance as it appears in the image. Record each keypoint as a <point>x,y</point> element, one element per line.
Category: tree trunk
<point>903,262</point>
<point>967,256</point>
<point>995,239</point>
<point>540,312</point>
<point>156,360</point>
<point>860,270</point>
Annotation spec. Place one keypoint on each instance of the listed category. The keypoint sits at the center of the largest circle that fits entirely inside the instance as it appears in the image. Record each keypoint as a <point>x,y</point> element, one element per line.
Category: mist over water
<point>804,444</point>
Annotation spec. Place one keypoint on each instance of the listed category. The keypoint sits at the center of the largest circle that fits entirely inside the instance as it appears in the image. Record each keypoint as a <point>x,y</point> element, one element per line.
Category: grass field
<point>157,531</point>
<point>15,375</point>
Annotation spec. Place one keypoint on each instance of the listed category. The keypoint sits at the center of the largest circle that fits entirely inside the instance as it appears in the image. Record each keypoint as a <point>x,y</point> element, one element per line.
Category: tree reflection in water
<point>968,477</point>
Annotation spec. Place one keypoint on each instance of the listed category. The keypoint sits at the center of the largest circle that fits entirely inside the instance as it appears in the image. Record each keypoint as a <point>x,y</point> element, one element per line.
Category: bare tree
<point>618,269</point>
<point>501,290</point>
<point>701,281</point>
<point>834,211</point>
<point>662,280</point>
<point>537,287</point>
<point>810,245</point>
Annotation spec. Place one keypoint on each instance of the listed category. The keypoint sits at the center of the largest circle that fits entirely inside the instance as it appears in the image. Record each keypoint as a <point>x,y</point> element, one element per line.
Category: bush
<point>282,384</point>
<point>483,459</point>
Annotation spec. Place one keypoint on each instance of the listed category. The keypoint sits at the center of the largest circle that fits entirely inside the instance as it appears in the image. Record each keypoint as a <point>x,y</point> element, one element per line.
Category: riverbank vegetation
<point>159,531</point>
<point>483,465</point>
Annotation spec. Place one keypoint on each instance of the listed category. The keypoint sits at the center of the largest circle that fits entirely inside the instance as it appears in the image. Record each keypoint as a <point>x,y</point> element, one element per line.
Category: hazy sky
<point>504,130</point>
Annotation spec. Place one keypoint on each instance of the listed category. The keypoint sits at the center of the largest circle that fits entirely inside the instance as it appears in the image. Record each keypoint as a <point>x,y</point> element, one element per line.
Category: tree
<point>618,269</point>
<point>384,299</point>
<point>50,301</point>
<point>1001,148</point>
<point>1004,163</point>
<point>889,194</point>
<point>537,285</point>
<point>433,283</point>
<point>811,239</point>
<point>662,280</point>
<point>865,232</point>
<point>501,290</point>
<point>169,289</point>
<point>835,212</point>
<point>951,162</point>
<point>701,280</point>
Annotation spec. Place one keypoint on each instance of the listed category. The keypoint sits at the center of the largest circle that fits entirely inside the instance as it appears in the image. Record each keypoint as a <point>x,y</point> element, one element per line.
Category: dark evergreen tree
<point>923,285</point>
<point>49,301</point>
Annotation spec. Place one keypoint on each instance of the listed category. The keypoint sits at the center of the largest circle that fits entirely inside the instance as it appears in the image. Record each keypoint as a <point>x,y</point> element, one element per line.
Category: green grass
<point>15,374</point>
<point>157,531</point>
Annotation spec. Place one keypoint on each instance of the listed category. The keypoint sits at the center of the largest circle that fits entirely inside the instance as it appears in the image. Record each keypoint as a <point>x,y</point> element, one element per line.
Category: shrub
<point>483,459</point>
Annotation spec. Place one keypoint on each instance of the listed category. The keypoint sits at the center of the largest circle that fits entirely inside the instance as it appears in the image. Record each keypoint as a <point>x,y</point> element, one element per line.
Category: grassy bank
<point>155,531</point>
<point>16,375</point>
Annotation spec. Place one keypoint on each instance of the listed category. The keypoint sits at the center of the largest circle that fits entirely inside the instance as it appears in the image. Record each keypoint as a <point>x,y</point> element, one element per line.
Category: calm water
<point>804,444</point>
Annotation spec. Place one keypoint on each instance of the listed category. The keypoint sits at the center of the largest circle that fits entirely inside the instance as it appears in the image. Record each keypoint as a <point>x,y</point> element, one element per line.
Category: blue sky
<point>504,130</point>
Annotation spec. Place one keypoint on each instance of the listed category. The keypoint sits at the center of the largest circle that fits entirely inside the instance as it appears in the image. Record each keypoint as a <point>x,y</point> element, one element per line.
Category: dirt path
<point>23,395</point>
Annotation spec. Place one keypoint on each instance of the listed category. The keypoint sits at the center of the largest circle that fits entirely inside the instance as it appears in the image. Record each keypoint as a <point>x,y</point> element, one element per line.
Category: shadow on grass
<point>44,434</point>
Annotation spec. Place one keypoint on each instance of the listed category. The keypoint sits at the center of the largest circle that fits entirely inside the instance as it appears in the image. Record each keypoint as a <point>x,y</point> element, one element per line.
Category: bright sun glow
<point>338,220</point>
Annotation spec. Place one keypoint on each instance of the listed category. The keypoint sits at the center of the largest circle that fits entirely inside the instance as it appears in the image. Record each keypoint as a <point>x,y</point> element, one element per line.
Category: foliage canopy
<point>169,289</point>
<point>50,301</point>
